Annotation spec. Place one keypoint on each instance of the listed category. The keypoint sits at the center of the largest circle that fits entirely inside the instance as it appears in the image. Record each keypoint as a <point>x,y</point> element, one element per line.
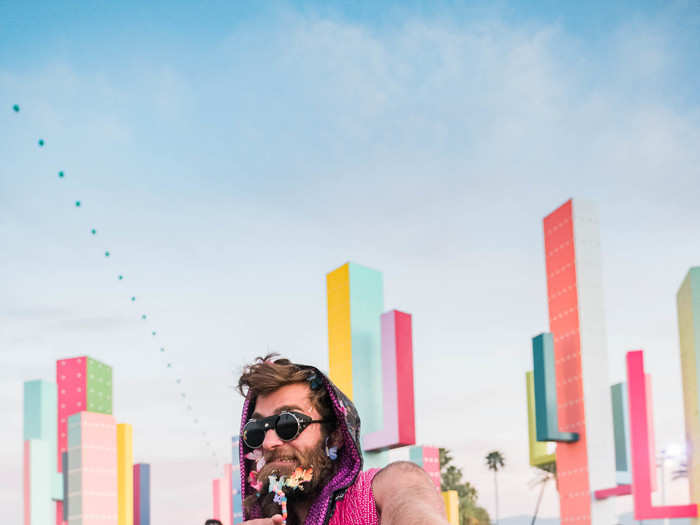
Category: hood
<point>349,462</point>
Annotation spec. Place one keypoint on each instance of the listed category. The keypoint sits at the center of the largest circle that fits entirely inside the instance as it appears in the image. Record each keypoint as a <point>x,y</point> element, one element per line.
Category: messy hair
<point>270,373</point>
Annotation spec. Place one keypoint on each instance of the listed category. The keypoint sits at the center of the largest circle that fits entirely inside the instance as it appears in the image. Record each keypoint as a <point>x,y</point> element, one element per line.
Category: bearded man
<point>301,460</point>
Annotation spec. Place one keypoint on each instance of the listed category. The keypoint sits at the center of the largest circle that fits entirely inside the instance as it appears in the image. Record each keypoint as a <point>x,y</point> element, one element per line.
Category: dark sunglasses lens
<point>287,427</point>
<point>253,434</point>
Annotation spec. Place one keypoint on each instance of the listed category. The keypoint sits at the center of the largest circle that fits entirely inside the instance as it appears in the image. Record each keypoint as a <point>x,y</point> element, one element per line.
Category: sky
<point>229,155</point>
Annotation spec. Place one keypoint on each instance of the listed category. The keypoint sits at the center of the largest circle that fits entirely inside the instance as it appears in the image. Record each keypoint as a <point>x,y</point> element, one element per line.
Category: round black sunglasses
<point>287,424</point>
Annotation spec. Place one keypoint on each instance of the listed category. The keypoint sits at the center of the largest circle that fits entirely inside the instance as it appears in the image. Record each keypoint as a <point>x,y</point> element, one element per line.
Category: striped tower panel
<point>236,503</point>
<point>355,303</point>
<point>398,428</point>
<point>621,432</point>
<point>546,409</point>
<point>92,475</point>
<point>72,398</point>
<point>539,457</point>
<point>40,422</point>
<point>37,482</point>
<point>225,487</point>
<point>216,499</point>
<point>688,304</point>
<point>66,488</point>
<point>83,384</point>
<point>429,459</point>
<point>576,320</point>
<point>137,496</point>
<point>643,457</point>
<point>125,473</point>
<point>142,494</point>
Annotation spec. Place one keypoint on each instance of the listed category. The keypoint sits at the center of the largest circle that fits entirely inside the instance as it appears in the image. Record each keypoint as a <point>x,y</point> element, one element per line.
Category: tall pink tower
<point>577,323</point>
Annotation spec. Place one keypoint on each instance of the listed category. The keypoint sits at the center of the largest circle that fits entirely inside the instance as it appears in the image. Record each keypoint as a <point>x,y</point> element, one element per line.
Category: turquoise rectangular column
<point>546,410</point>
<point>37,483</point>
<point>41,423</point>
<point>618,393</point>
<point>366,308</point>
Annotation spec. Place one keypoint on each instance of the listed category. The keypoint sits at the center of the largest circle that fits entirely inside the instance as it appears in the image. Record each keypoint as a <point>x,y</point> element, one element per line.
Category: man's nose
<point>272,440</point>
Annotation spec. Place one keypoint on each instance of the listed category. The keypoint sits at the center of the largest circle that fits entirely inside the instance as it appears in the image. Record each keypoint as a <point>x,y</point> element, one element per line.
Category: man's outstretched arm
<point>406,495</point>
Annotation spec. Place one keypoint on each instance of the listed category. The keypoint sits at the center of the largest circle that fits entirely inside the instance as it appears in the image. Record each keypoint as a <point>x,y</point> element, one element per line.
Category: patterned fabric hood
<point>348,464</point>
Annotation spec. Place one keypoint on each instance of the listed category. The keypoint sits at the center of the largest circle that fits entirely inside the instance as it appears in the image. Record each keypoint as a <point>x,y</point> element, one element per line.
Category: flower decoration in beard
<point>257,456</point>
<point>254,482</point>
<point>298,477</point>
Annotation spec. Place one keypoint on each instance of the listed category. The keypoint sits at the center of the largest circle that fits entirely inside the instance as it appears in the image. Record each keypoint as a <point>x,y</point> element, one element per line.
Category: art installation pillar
<point>429,459</point>
<point>539,456</point>
<point>621,432</point>
<point>216,499</point>
<point>40,414</point>
<point>83,384</point>
<point>576,321</point>
<point>398,427</point>
<point>451,499</point>
<point>236,502</point>
<point>643,457</point>
<point>355,303</point>
<point>546,392</point>
<point>37,482</point>
<point>688,304</point>
<point>92,456</point>
<point>226,492</point>
<point>125,473</point>
<point>142,494</point>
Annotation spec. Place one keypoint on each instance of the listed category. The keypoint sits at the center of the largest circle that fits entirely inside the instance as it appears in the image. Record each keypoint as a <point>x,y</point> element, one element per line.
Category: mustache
<point>281,456</point>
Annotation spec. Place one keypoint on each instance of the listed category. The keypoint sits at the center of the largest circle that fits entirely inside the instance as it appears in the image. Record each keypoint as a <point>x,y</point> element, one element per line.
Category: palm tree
<point>544,474</point>
<point>495,462</point>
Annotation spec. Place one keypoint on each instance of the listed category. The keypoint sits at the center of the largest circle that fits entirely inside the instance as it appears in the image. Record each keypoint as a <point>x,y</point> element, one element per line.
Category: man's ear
<point>336,438</point>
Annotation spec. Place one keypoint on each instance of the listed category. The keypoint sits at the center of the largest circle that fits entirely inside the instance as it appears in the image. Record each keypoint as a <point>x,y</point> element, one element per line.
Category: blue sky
<point>231,155</point>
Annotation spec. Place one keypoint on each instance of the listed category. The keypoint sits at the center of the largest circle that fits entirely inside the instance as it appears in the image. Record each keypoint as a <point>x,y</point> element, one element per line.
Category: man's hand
<point>405,495</point>
<point>274,520</point>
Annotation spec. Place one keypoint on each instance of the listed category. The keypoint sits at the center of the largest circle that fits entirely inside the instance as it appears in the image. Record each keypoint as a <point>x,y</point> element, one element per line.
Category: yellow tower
<point>688,303</point>
<point>125,473</point>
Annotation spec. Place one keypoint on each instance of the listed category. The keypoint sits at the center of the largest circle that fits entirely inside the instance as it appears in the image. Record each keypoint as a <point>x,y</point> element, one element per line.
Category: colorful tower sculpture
<point>223,500</point>
<point>398,426</point>
<point>142,494</point>
<point>451,500</point>
<point>621,433</point>
<point>216,499</point>
<point>539,456</point>
<point>84,384</point>
<point>688,304</point>
<point>42,482</point>
<point>429,459</point>
<point>125,473</point>
<point>576,321</point>
<point>355,304</point>
<point>92,478</point>
<point>236,502</point>
<point>642,447</point>
<point>226,492</point>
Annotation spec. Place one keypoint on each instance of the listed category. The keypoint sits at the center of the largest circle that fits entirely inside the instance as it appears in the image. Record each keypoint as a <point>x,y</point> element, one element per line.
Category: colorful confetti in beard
<point>323,469</point>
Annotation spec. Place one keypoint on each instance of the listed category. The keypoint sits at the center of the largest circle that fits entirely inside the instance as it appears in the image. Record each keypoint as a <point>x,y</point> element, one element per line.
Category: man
<point>301,460</point>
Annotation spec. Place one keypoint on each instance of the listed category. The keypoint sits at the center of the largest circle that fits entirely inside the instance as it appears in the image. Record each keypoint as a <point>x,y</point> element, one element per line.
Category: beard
<point>291,459</point>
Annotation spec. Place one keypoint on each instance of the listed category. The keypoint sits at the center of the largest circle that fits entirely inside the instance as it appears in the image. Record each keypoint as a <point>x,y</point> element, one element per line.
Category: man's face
<point>282,457</point>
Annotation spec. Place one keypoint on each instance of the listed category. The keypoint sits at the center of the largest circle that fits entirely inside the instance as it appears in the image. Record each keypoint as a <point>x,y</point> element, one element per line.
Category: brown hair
<point>267,374</point>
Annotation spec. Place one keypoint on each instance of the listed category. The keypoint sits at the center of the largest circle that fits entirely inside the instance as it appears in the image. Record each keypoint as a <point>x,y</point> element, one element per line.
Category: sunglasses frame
<point>270,423</point>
